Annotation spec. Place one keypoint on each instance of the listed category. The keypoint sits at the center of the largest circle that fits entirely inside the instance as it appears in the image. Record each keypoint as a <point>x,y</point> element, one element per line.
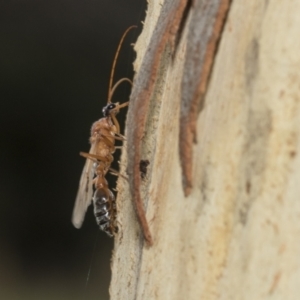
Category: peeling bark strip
<point>143,85</point>
<point>198,65</point>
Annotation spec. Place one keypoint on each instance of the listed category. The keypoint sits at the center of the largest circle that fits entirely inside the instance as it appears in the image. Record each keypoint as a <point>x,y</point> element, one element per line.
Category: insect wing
<point>85,192</point>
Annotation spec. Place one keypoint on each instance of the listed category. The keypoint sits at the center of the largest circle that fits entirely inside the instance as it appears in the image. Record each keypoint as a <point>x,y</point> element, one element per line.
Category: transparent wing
<point>85,192</point>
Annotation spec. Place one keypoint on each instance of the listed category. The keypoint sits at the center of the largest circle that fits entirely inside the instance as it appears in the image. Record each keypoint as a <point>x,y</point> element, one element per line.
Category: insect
<point>143,167</point>
<point>104,133</point>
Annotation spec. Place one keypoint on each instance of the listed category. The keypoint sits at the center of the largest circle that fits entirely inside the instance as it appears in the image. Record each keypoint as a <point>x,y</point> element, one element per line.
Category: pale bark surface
<point>236,236</point>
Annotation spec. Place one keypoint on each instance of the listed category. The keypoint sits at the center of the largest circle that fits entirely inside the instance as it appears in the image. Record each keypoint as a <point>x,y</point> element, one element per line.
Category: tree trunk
<point>215,108</point>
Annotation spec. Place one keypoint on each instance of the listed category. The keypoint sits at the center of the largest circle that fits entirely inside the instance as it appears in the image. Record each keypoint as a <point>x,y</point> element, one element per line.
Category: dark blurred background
<point>55,62</point>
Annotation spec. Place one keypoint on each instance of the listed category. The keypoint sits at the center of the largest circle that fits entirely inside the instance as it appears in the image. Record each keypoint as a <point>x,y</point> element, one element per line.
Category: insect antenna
<point>110,88</point>
<point>115,87</point>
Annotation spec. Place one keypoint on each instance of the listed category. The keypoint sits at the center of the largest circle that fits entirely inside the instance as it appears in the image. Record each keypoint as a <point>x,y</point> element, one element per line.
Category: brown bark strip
<point>143,85</point>
<point>198,65</point>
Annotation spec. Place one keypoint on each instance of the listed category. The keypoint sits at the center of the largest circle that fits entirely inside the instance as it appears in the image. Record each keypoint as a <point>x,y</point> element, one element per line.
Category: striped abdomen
<point>105,210</point>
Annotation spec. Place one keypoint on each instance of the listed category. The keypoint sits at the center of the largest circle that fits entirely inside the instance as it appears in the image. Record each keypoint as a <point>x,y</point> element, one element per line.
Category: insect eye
<point>106,110</point>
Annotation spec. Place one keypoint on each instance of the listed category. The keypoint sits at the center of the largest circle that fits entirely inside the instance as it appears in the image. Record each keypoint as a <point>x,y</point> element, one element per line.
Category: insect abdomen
<point>105,210</point>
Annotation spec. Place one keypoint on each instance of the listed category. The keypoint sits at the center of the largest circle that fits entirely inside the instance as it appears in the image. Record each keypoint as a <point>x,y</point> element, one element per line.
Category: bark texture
<point>236,234</point>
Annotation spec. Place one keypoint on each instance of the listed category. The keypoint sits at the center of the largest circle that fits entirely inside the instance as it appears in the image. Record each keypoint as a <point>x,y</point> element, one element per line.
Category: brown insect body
<point>104,133</point>
<point>103,136</point>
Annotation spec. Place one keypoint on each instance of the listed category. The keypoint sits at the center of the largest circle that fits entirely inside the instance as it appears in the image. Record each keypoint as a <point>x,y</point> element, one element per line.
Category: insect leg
<point>113,116</point>
<point>116,173</point>
<point>120,136</point>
